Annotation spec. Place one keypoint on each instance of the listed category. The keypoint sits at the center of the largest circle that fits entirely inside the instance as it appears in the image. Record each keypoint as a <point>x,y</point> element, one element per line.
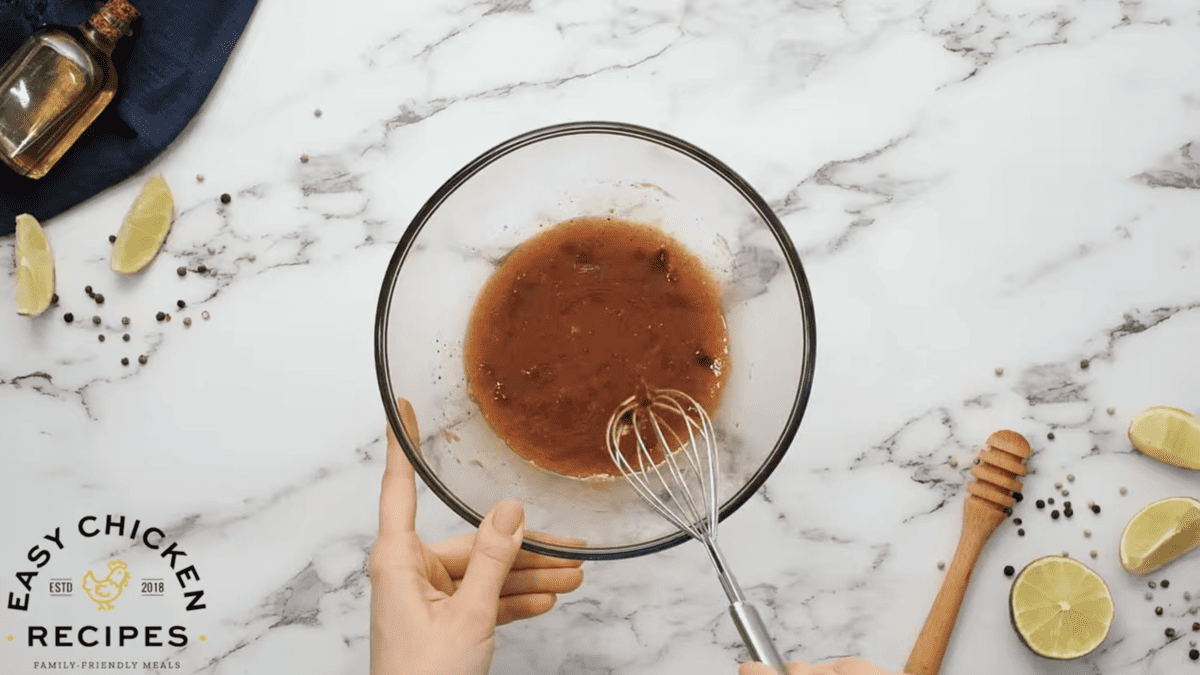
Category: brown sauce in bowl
<point>581,317</point>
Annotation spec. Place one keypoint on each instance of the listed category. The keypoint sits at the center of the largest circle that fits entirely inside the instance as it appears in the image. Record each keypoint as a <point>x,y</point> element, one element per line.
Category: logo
<point>100,590</point>
<point>104,592</point>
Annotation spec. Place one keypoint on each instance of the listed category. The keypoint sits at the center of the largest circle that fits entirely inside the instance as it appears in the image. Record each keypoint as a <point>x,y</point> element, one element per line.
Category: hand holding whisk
<point>675,472</point>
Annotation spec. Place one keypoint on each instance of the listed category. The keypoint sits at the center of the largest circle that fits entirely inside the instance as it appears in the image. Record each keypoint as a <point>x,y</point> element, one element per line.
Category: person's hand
<point>434,610</point>
<point>839,667</point>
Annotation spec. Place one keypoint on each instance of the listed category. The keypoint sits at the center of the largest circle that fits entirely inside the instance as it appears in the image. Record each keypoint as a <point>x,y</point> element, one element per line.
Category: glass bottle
<point>56,84</point>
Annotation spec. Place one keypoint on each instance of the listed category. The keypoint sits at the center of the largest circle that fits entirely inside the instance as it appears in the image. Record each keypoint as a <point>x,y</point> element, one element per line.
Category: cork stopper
<point>113,19</point>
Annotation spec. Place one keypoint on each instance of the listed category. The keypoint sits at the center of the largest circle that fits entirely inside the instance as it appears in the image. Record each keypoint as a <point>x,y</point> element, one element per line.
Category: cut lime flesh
<point>1167,434</point>
<point>35,267</point>
<point>1060,608</point>
<point>145,228</point>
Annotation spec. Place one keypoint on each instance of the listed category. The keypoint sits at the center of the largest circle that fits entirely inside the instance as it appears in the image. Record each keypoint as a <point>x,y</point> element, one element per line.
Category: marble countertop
<point>995,202</point>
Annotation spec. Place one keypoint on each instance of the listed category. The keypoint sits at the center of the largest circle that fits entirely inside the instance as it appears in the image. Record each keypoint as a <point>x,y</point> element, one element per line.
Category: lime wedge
<point>1060,607</point>
<point>1167,434</point>
<point>145,228</point>
<point>35,267</point>
<point>1160,533</point>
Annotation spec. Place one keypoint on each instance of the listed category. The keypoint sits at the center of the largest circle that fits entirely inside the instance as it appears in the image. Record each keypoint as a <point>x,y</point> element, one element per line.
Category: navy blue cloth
<point>165,71</point>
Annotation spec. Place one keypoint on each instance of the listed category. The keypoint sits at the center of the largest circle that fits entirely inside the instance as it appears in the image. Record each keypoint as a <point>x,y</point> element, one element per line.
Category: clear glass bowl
<point>504,197</point>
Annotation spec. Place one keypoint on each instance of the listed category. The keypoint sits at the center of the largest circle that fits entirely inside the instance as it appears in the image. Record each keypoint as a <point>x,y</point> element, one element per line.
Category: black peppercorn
<point>225,198</point>
<point>96,320</point>
<point>1164,583</point>
<point>1095,508</point>
<point>143,359</point>
<point>1068,512</point>
<point>201,269</point>
<point>1054,514</point>
<point>112,238</point>
<point>1040,504</point>
<point>100,337</point>
<point>1194,654</point>
<point>1170,632</point>
<point>124,361</point>
<point>1050,435</point>
<point>1066,505</point>
<point>124,321</point>
<point>1021,532</point>
<point>1084,364</point>
<point>1018,496</point>
<point>1158,611</point>
<point>88,290</point>
<point>1009,571</point>
<point>68,317</point>
<point>99,298</point>
<point>1050,501</point>
<point>160,316</point>
<point>181,271</point>
<point>1016,521</point>
<point>125,337</point>
<point>180,304</point>
<point>54,298</point>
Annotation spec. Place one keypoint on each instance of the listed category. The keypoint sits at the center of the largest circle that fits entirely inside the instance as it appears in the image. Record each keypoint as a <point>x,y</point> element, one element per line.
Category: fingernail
<point>508,516</point>
<point>408,419</point>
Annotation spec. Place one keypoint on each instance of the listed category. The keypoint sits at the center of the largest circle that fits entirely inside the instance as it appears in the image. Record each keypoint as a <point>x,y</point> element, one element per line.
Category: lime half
<point>1160,533</point>
<point>145,228</point>
<point>1167,434</point>
<point>1060,607</point>
<point>35,267</point>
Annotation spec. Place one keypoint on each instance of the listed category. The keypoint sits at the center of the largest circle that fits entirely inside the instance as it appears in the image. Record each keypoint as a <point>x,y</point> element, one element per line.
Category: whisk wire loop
<point>687,501</point>
<point>637,477</point>
<point>667,486</point>
<point>682,491</point>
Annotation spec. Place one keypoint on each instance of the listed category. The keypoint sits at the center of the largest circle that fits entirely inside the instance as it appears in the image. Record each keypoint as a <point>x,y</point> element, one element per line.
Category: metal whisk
<point>681,484</point>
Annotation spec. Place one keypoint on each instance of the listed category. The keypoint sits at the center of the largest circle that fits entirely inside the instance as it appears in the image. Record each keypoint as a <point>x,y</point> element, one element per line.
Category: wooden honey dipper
<point>990,502</point>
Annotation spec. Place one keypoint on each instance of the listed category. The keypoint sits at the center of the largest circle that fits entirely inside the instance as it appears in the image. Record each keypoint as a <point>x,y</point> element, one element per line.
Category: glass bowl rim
<point>803,389</point>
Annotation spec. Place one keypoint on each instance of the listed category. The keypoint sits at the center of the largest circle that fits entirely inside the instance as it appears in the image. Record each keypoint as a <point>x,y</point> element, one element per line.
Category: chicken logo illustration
<point>104,592</point>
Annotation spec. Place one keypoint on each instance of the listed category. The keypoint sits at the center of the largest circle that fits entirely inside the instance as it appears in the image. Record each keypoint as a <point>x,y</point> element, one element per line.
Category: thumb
<point>492,555</point>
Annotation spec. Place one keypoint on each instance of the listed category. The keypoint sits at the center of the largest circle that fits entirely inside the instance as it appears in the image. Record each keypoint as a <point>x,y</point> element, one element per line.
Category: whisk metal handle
<point>749,624</point>
<point>754,635</point>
